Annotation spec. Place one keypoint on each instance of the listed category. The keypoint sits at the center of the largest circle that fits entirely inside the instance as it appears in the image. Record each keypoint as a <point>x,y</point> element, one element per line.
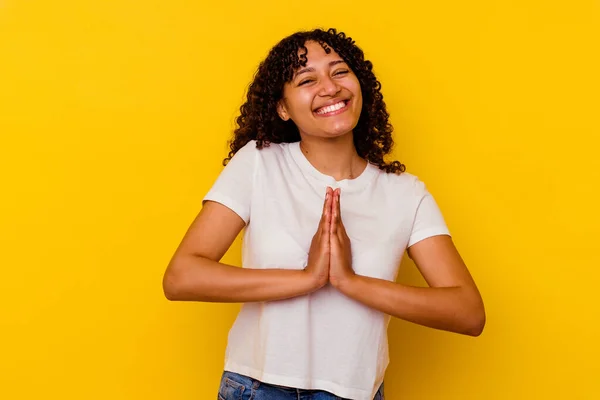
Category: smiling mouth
<point>333,109</point>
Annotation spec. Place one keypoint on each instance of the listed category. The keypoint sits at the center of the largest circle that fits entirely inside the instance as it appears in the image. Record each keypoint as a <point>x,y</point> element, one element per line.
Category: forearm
<point>193,278</point>
<point>447,308</point>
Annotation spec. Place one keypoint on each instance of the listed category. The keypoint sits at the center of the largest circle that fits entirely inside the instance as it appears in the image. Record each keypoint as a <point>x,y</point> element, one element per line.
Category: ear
<point>282,111</point>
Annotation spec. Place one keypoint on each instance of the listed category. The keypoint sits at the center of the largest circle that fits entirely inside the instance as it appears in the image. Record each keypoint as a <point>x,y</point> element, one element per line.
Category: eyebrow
<point>310,69</point>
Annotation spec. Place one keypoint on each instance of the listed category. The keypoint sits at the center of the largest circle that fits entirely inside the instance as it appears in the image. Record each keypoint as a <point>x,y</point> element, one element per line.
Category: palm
<point>340,264</point>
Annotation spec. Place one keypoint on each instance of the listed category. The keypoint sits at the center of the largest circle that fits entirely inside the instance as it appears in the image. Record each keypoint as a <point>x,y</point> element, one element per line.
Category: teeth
<point>331,108</point>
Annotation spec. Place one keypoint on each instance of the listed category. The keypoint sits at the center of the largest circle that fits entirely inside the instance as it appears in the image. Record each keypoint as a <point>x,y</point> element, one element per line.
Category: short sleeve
<point>233,186</point>
<point>429,220</point>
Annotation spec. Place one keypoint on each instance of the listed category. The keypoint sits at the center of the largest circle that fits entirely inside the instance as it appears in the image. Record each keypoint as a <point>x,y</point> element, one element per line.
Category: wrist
<point>314,282</point>
<point>345,283</point>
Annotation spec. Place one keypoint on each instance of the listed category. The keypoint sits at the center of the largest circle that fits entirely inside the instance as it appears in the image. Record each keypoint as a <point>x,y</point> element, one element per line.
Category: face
<point>323,98</point>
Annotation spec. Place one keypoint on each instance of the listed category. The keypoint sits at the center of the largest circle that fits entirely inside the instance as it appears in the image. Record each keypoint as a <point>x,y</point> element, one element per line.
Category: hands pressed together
<point>330,255</point>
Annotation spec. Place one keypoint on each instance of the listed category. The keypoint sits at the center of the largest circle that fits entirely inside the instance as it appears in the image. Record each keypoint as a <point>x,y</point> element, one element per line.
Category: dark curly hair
<point>259,120</point>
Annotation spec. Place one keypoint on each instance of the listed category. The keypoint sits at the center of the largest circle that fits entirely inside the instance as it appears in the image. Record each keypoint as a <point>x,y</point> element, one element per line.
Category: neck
<point>336,157</point>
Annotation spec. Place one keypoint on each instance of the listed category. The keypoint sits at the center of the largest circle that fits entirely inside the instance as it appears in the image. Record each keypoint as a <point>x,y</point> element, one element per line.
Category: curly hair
<point>259,120</point>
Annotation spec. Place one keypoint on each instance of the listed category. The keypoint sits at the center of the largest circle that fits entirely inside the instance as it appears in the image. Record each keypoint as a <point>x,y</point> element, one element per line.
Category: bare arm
<point>451,303</point>
<point>195,273</point>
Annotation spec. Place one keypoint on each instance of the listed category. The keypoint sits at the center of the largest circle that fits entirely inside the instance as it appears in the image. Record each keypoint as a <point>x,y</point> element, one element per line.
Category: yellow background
<point>114,117</point>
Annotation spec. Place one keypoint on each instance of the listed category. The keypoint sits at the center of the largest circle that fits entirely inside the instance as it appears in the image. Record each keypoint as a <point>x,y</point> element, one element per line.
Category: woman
<point>326,221</point>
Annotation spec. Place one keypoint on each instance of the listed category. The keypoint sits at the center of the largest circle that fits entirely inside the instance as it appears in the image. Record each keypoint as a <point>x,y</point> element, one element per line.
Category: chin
<point>331,129</point>
<point>336,134</point>
<point>340,130</point>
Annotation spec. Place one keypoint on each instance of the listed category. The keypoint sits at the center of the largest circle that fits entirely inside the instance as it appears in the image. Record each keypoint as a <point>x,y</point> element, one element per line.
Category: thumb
<point>334,242</point>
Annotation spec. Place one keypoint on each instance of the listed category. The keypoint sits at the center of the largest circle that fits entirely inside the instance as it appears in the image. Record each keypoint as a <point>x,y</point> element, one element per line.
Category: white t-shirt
<point>323,340</point>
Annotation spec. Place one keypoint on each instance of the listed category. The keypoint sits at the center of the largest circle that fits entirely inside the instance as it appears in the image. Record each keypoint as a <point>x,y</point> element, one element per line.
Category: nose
<point>329,87</point>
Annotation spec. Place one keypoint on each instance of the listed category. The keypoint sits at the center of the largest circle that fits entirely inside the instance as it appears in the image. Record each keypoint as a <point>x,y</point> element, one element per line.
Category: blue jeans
<point>239,387</point>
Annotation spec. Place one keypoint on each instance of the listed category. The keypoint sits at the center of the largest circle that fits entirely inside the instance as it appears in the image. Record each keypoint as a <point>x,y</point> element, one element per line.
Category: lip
<point>336,112</point>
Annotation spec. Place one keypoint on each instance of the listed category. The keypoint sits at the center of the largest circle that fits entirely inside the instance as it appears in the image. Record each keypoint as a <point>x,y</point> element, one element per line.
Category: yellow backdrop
<point>114,117</point>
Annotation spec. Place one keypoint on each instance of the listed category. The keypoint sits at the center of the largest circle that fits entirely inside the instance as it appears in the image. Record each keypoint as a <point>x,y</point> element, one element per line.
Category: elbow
<point>169,288</point>
<point>475,328</point>
<point>475,322</point>
<point>172,284</point>
<point>182,280</point>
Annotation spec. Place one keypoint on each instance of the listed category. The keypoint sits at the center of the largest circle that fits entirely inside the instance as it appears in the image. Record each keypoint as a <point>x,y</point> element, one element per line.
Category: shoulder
<point>247,150</point>
<point>251,149</point>
<point>271,157</point>
<point>406,188</point>
<point>404,182</point>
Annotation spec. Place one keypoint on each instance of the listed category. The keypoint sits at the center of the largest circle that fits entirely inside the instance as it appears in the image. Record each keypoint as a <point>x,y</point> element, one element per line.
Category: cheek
<point>301,104</point>
<point>358,97</point>
<point>354,86</point>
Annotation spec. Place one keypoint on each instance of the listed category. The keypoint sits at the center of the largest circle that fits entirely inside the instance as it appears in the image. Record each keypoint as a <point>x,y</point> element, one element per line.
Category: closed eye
<point>336,73</point>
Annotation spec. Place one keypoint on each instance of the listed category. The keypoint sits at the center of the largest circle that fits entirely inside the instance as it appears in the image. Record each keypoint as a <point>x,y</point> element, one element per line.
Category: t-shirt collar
<point>360,182</point>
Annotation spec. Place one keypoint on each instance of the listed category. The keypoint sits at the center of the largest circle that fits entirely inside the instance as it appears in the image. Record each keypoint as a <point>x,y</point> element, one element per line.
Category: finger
<point>337,243</point>
<point>334,244</point>
<point>327,213</point>
<point>326,210</point>
<point>334,225</point>
<point>341,229</point>
<point>341,234</point>
<point>327,223</point>
<point>337,204</point>
<point>327,195</point>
